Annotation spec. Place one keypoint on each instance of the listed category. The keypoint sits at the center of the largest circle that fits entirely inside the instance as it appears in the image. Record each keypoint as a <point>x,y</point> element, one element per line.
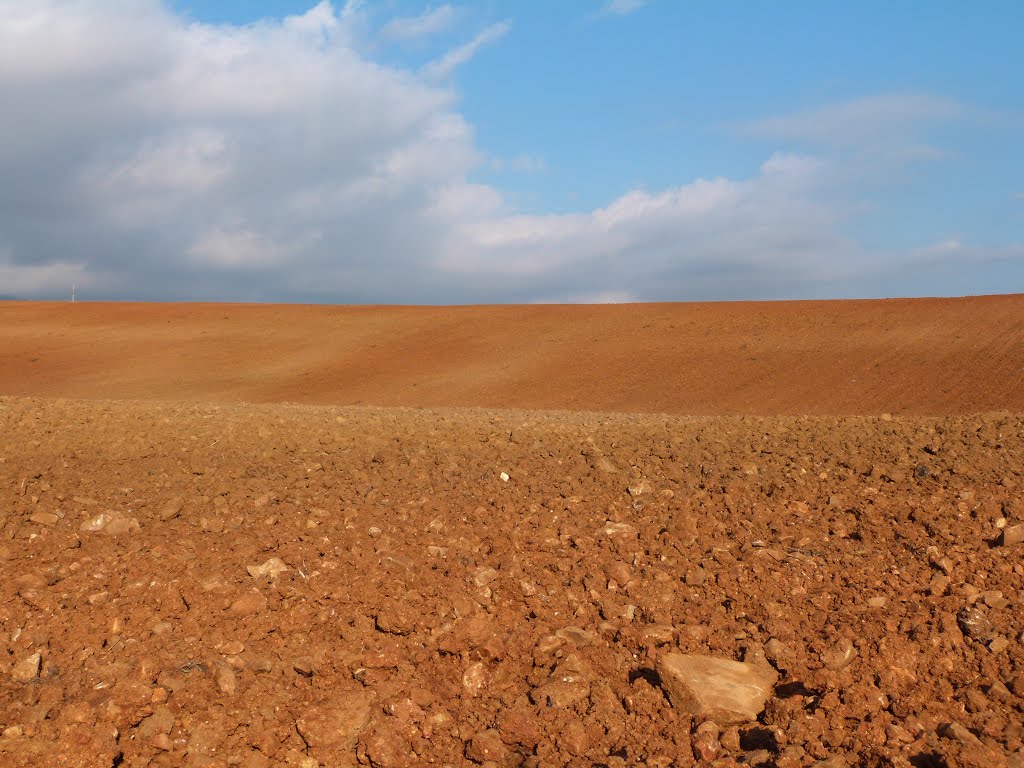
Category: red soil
<point>921,356</point>
<point>500,588</point>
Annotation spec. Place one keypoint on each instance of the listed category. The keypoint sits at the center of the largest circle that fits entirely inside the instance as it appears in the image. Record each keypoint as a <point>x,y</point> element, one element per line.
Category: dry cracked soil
<point>194,583</point>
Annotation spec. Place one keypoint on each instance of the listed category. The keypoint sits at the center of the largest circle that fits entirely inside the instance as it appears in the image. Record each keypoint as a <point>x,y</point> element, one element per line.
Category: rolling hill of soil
<point>920,356</point>
<point>189,579</point>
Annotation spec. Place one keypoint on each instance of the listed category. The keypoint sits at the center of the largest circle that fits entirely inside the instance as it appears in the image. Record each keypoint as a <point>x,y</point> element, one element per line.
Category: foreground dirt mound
<point>307,586</point>
<point>924,356</point>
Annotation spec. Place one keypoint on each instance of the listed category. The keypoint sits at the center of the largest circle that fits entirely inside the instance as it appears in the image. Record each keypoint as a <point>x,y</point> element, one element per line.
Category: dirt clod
<point>537,633</point>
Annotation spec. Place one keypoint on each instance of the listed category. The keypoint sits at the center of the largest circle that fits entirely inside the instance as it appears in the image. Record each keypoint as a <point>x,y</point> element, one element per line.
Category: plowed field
<point>187,578</point>
<point>921,357</point>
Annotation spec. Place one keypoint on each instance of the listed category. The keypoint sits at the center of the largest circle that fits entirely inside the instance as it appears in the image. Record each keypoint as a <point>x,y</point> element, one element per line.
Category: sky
<point>398,152</point>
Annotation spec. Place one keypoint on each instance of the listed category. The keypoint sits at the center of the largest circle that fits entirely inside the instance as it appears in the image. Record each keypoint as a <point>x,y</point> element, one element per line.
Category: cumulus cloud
<point>147,156</point>
<point>709,237</point>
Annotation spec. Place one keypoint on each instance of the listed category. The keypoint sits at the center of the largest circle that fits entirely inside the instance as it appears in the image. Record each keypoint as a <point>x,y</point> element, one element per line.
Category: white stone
<point>97,523</point>
<point>272,568</point>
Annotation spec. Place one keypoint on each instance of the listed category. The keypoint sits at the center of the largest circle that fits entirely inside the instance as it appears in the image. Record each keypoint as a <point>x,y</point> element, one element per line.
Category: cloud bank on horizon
<point>145,154</point>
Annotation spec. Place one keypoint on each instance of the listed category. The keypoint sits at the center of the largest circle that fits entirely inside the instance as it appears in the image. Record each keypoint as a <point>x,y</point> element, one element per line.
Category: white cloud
<point>455,58</point>
<point>622,7</point>
<point>431,22</point>
<point>782,216</point>
<point>146,156</point>
<point>190,161</point>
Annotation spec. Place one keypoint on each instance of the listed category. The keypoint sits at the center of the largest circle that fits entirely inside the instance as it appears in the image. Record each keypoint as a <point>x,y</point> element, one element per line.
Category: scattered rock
<point>937,560</point>
<point>939,584</point>
<point>840,656</point>
<point>566,687</point>
<point>162,742</point>
<point>776,652</point>
<point>617,529</point>
<point>474,677</point>
<point>249,603</point>
<point>272,568</point>
<point>587,581</point>
<point>121,526</point>
<point>575,738</point>
<point>638,488</point>
<point>956,732</point>
<point>709,688</point>
<point>486,746</point>
<point>48,519</point>
<point>994,599</point>
<point>331,727</point>
<point>695,577</point>
<point>1000,692</point>
<point>387,748</point>
<point>227,683</point>
<point>1012,534</point>
<point>974,623</point>
<point>27,669</point>
<point>260,666</point>
<point>998,644</point>
<point>705,741</point>
<point>658,634</point>
<point>160,722</point>
<point>172,508</point>
<point>581,637</point>
<point>96,523</point>
<point>231,648</point>
<point>484,576</point>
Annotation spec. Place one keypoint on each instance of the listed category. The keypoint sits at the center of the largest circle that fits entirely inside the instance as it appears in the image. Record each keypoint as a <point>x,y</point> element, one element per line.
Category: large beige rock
<point>716,689</point>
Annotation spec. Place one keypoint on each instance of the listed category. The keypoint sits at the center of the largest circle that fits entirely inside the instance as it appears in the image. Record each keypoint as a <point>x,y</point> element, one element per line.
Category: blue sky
<point>554,152</point>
